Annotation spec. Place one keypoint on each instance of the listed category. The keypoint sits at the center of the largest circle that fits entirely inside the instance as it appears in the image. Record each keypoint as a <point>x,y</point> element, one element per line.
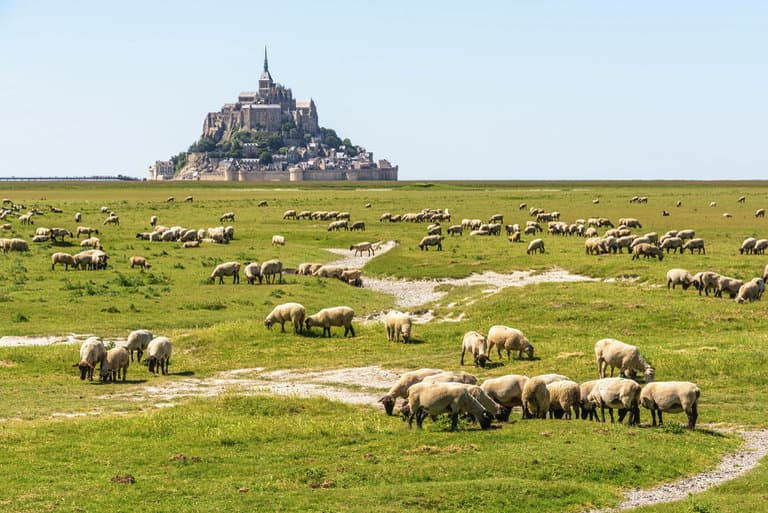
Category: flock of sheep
<point>114,363</point>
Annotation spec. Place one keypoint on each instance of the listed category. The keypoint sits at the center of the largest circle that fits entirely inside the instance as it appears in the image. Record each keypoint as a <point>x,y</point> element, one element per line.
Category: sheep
<point>679,277</point>
<point>765,273</point>
<point>386,216</point>
<point>104,209</point>
<point>672,397</point>
<point>434,229</point>
<point>112,219</point>
<point>352,277</point>
<point>189,236</point>
<point>425,399</point>
<point>630,222</point>
<point>760,246</point>
<point>159,351</point>
<point>587,408</point>
<point>673,243</point>
<point>760,212</point>
<point>625,357</point>
<point>63,258</point>
<point>289,214</point>
<point>476,344</point>
<point>140,261</point>
<point>78,217</point>
<point>515,237</point>
<point>87,230</point>
<point>293,312</point>
<point>92,351</point>
<point>534,246</point>
<point>227,216</point>
<point>278,240</point>
<point>431,240</point>
<point>506,390</point>
<point>91,242</point>
<point>510,339</point>
<point>727,215</point>
<point>252,272</point>
<point>686,234</point>
<point>751,290</point>
<point>727,284</point>
<point>692,244</point>
<point>647,251</point>
<point>26,219</point>
<point>19,245</point>
<point>620,393</point>
<point>41,238</point>
<point>304,214</point>
<point>117,360</point>
<point>742,199</point>
<point>362,246</point>
<point>336,316</point>
<point>308,268</point>
<point>705,280</point>
<point>712,204</point>
<point>262,203</point>
<point>191,244</point>
<point>455,229</point>
<point>747,246</point>
<point>357,225</point>
<point>328,271</point>
<point>189,199</point>
<point>60,232</point>
<point>138,340</point>
<point>338,225</point>
<point>564,396</point>
<point>270,269</point>
<point>6,226</point>
<point>226,269</point>
<point>397,325</point>
<point>457,380</point>
<point>535,399</point>
<point>400,388</point>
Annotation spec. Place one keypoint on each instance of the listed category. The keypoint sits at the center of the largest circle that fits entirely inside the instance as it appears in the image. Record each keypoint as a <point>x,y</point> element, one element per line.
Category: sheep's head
<point>503,414</point>
<point>481,359</point>
<point>527,349</point>
<point>485,420</point>
<point>389,404</point>
<point>405,331</point>
<point>268,322</point>
<point>649,374</point>
<point>405,411</point>
<point>105,375</point>
<point>84,367</point>
<point>151,363</point>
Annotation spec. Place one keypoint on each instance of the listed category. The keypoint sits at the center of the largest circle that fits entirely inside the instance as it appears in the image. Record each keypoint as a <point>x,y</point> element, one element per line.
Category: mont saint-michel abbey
<point>269,135</point>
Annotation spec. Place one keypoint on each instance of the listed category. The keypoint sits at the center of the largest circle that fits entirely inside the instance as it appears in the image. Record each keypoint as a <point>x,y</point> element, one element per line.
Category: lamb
<point>617,393</point>
<point>138,340</point>
<point>397,325</point>
<point>92,351</point>
<point>336,316</point>
<point>747,246</point>
<point>727,284</point>
<point>476,344</point>
<point>564,396</point>
<point>510,339</point>
<point>140,261</point>
<point>117,360</point>
<point>252,272</point>
<point>535,399</point>
<point>672,397</point>
<point>431,240</point>
<point>506,390</point>
<point>534,246</point>
<point>270,269</point>
<point>293,312</point>
<point>362,246</point>
<point>705,281</point>
<point>625,357</point>
<point>226,269</point>
<point>63,258</point>
<point>647,251</point>
<point>159,351</point>
<point>278,240</point>
<point>425,399</point>
<point>751,290</point>
<point>697,244</point>
<point>679,277</point>
<point>400,388</point>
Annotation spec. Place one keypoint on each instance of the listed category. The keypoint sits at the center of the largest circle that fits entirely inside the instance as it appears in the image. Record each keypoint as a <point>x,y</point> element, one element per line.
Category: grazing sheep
<point>712,203</point>
<point>252,272</point>
<point>742,199</point>
<point>647,251</point>
<point>6,226</point>
<point>386,216</point>
<point>432,399</point>
<point>226,269</point>
<point>362,246</point>
<point>19,245</point>
<point>397,325</point>
<point>338,225</point>
<point>153,221</point>
<point>91,242</point>
<point>63,258</point>
<point>672,397</point>
<point>510,339</point>
<point>140,261</point>
<point>748,245</point>
<point>329,271</point>
<point>729,285</point>
<point>87,230</point>
<point>760,246</point>
<point>138,340</point>
<point>587,408</point>
<point>92,351</point>
<point>308,268</point>
<point>727,215</point>
<point>159,351</point>
<point>278,240</point>
<point>451,377</point>
<point>353,277</point>
<point>112,219</point>
<point>400,388</point>
<point>751,290</point>
<point>535,399</point>
<point>625,357</point>
<point>686,234</point>
<point>705,281</point>
<point>679,277</point>
<point>293,312</point>
<point>760,212</point>
<point>617,393</point>
<point>336,316</point>
<point>357,225</point>
<point>78,217</point>
<point>564,396</point>
<point>289,214</point>
<point>117,360</point>
<point>170,199</point>
<point>26,219</point>
<point>500,412</point>
<point>534,246</point>
<point>262,203</point>
<point>515,237</point>
<point>227,216</point>
<point>673,243</point>
<point>270,269</point>
<point>697,244</point>
<point>191,244</point>
<point>455,229</point>
<point>431,240</point>
<point>60,232</point>
<point>475,343</point>
<point>506,390</point>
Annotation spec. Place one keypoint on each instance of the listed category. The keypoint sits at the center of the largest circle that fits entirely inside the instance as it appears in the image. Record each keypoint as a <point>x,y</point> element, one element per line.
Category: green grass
<point>314,455</point>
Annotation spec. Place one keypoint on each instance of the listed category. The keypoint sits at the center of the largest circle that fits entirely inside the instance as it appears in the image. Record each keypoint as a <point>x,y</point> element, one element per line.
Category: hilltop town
<point>269,135</point>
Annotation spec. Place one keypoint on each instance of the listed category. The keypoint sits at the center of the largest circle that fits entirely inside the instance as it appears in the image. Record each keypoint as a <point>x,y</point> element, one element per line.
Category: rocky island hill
<point>268,135</point>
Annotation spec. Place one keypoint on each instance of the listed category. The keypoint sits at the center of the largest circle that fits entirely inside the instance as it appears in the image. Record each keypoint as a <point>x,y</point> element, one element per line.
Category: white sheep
<point>647,251</point>
<point>705,280</point>
<point>153,221</point>
<point>672,397</point>
<point>227,216</point>
<point>432,399</point>
<point>117,360</point>
<point>673,243</point>
<point>751,290</point>
<point>91,242</point>
<point>293,312</point>
<point>92,351</point>
<point>617,393</point>
<point>191,244</point>
<point>510,339</point>
<point>278,240</point>
<point>494,408</point>
<point>329,271</point>
<point>270,269</point>
<point>587,408</point>
<point>252,272</point>
<point>362,246</point>
<point>139,261</point>
<point>686,234</point>
<point>506,390</point>
<point>138,340</point>
<point>697,244</point>
<point>308,268</point>
<point>476,344</point>
<point>159,351</point>
<point>401,386</point>
<point>729,285</point>
<point>226,269</point>
<point>760,212</point>
<point>564,396</point>
<point>535,245</point>
<point>760,246</point>
<point>431,240</point>
<point>398,324</point>
<point>679,277</point>
<point>289,214</point>
<point>63,258</point>
<point>451,377</point>
<point>336,316</point>
<point>353,277</point>
<point>625,357</point>
<point>535,398</point>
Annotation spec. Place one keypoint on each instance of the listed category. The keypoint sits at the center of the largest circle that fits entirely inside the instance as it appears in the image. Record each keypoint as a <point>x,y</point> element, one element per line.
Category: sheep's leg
<point>462,356</point>
<point>454,422</point>
<point>602,412</point>
<point>653,416</point>
<point>661,421</point>
<point>692,416</point>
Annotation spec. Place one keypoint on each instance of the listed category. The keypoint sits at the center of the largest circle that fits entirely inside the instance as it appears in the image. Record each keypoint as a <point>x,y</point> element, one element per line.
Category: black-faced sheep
<point>647,251</point>
<point>431,240</point>
<point>336,316</point>
<point>625,357</point>
<point>115,363</point>
<point>226,269</point>
<point>705,281</point>
<point>679,277</point>
<point>747,246</point>
<point>672,397</point>
<point>92,351</point>
<point>697,244</point>
<point>564,396</point>
<point>729,285</point>
<point>435,399</point>
<point>159,351</point>
<point>617,393</point>
<point>63,258</point>
<point>673,243</point>
<point>751,290</point>
<point>398,325</point>
<point>293,312</point>
<point>475,343</point>
<point>401,386</point>
<point>252,272</point>
<point>138,340</point>
<point>535,399</point>
<point>534,246</point>
<point>510,339</point>
<point>587,408</point>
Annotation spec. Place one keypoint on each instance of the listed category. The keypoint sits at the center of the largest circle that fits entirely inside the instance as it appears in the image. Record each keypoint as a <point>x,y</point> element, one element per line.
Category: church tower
<point>265,80</point>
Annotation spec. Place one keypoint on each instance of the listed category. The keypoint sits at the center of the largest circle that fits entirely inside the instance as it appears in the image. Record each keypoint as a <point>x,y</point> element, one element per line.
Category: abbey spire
<point>265,80</point>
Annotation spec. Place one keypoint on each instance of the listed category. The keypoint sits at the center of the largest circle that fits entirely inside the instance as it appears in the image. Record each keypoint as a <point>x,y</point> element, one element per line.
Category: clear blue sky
<point>448,90</point>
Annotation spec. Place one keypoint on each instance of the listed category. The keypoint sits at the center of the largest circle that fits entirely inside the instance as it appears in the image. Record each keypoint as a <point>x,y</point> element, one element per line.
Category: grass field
<point>248,453</point>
